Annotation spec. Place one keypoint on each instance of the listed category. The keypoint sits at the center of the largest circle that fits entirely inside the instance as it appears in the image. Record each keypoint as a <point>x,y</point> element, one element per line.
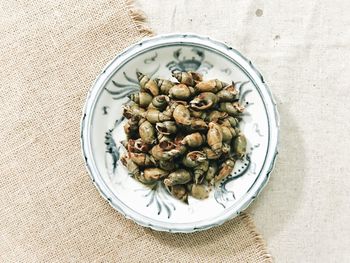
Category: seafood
<point>160,102</point>
<point>215,116</point>
<point>211,155</point>
<point>185,78</point>
<point>240,145</point>
<point>197,125</point>
<point>198,114</point>
<point>233,109</point>
<point>126,144</point>
<point>182,115</point>
<point>142,159</point>
<point>154,116</point>
<point>227,133</point>
<point>199,191</point>
<point>132,167</point>
<point>178,145</point>
<point>226,148</point>
<point>225,169</point>
<point>141,178</point>
<point>172,106</point>
<point>194,139</point>
<point>180,176</point>
<point>185,135</point>
<point>212,170</point>
<point>229,121</point>
<point>196,76</point>
<point>154,174</point>
<point>228,93</point>
<point>200,170</point>
<point>164,85</point>
<point>193,159</point>
<point>181,92</point>
<point>204,101</point>
<point>166,127</point>
<point>214,137</point>
<point>131,126</point>
<point>140,145</point>
<point>132,110</point>
<point>237,130</point>
<point>167,165</point>
<point>165,151</point>
<point>213,85</point>
<point>162,137</point>
<point>179,192</point>
<point>136,145</point>
<point>143,99</point>
<point>147,132</point>
<point>147,84</point>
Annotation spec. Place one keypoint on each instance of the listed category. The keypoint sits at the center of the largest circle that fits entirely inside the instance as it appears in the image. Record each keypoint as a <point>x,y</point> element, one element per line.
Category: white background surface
<point>302,49</point>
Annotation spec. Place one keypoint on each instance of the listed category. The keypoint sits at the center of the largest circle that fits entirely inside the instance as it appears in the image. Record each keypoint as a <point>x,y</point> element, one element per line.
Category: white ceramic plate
<point>102,131</point>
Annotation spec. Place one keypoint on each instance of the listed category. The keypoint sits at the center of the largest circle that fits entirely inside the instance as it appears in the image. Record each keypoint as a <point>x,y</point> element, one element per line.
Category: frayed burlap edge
<point>139,18</point>
<point>260,243</point>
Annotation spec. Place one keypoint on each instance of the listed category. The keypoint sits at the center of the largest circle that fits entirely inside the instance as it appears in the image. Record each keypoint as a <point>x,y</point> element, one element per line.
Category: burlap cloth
<point>51,51</point>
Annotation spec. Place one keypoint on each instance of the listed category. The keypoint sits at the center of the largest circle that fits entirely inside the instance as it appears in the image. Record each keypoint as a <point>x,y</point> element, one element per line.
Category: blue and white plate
<point>102,131</point>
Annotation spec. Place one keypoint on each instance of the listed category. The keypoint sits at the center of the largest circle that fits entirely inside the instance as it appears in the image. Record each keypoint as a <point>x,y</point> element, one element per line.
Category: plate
<point>102,131</point>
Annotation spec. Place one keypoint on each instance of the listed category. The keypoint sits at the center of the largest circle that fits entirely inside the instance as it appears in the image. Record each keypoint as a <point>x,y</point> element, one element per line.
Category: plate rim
<point>186,37</point>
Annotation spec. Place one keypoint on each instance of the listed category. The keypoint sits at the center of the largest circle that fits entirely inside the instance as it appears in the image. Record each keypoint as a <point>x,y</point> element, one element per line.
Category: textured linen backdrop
<point>50,53</point>
<point>302,48</point>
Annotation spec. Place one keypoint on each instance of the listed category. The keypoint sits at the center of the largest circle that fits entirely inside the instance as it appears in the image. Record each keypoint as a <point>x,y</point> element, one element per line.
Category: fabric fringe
<point>260,243</point>
<point>139,18</point>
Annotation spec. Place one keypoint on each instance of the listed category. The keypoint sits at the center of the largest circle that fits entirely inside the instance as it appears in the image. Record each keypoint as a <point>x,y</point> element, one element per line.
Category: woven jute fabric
<point>50,54</point>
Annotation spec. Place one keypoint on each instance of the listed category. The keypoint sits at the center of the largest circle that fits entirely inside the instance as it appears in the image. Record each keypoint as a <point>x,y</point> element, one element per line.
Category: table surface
<point>300,47</point>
